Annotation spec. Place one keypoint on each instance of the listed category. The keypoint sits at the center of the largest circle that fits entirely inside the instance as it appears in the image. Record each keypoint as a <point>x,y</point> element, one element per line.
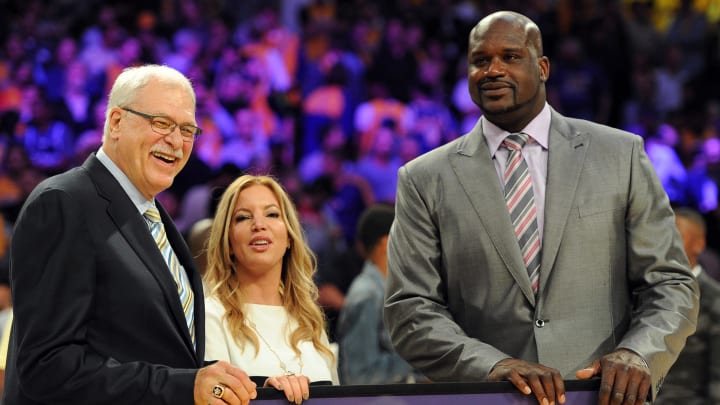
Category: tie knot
<point>516,141</point>
<point>152,214</point>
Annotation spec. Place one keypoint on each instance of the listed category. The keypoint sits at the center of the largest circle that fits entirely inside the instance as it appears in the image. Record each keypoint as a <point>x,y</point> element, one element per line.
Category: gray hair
<point>132,79</point>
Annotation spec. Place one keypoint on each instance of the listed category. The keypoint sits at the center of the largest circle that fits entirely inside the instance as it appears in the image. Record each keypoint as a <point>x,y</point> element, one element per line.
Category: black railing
<point>476,393</point>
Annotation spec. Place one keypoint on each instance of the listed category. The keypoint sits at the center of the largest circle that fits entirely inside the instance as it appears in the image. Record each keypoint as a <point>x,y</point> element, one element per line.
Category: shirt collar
<point>697,270</point>
<point>141,203</point>
<point>538,128</point>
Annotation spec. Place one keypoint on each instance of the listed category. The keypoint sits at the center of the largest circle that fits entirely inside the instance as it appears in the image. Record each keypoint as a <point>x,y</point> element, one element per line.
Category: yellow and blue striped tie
<point>181,280</point>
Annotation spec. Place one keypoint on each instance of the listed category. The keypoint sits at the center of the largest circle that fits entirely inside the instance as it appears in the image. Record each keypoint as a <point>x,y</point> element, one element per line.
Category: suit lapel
<point>567,150</point>
<point>477,175</point>
<point>136,232</point>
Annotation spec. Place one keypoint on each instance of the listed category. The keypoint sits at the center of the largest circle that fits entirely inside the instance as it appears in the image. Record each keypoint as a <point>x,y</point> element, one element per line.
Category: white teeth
<point>260,242</point>
<point>164,157</point>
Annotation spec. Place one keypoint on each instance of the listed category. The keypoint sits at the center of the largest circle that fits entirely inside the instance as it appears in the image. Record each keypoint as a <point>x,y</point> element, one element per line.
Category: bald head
<point>506,69</point>
<point>510,19</point>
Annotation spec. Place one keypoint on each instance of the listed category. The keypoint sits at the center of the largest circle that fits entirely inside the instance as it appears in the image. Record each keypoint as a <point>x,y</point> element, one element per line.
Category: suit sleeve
<point>665,293</point>
<point>416,314</point>
<point>53,279</point>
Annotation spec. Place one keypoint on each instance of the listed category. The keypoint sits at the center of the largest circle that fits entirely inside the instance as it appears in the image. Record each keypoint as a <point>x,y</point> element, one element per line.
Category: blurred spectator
<point>708,161</point>
<point>130,53</point>
<point>99,47</point>
<point>395,64</point>
<point>274,47</point>
<point>366,352</point>
<point>333,156</point>
<point>606,41</point>
<point>325,104</point>
<point>187,45</point>
<point>49,142</point>
<point>578,87</point>
<point>409,148</point>
<point>249,147</point>
<point>322,230</point>
<point>75,104</point>
<point>380,164</point>
<point>645,39</point>
<point>671,77</point>
<point>373,113</point>
<point>14,90</point>
<point>688,30</point>
<point>26,180</point>
<point>216,123</point>
<point>51,74</point>
<point>694,379</point>
<point>432,124</point>
<point>660,141</point>
<point>91,139</point>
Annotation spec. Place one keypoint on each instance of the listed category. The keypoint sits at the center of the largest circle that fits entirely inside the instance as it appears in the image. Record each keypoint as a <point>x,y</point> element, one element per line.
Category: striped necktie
<point>521,205</point>
<point>181,280</point>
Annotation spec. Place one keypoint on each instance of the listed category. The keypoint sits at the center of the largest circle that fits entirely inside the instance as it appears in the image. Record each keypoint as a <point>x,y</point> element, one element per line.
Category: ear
<point>544,69</point>
<point>114,118</point>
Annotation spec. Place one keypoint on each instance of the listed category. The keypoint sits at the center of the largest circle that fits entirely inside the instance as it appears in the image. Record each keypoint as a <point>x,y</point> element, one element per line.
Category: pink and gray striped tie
<point>520,201</point>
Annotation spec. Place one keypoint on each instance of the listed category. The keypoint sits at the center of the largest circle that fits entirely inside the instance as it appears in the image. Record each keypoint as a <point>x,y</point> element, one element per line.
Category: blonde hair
<point>297,287</point>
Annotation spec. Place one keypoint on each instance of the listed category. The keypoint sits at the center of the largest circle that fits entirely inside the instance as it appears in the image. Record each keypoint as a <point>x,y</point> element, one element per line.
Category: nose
<point>258,223</point>
<point>175,138</point>
<point>495,68</point>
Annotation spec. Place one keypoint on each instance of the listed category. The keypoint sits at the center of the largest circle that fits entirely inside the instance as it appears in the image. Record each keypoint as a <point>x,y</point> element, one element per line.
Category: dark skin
<point>506,79</point>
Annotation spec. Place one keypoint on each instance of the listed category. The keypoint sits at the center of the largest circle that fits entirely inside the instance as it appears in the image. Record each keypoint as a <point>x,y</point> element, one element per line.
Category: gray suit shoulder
<point>429,162</point>
<point>596,130</point>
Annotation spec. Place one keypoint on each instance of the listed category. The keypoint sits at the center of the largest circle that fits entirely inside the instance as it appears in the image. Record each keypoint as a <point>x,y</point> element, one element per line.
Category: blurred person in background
<point>366,352</point>
<point>694,379</point>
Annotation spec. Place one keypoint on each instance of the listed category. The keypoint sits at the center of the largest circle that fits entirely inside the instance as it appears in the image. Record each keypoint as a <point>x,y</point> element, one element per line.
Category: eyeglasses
<point>165,126</point>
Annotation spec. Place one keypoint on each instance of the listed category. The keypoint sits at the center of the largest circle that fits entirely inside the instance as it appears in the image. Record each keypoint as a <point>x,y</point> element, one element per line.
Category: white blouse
<point>274,324</point>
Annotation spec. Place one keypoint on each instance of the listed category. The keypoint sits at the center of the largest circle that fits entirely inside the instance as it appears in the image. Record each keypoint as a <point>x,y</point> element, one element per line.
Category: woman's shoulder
<point>213,304</point>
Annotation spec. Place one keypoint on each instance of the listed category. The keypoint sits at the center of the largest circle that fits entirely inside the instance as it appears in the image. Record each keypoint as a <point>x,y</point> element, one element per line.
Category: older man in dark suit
<point>106,311</point>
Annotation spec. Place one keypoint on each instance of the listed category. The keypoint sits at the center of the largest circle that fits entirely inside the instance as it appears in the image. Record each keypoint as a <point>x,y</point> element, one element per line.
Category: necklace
<point>283,367</point>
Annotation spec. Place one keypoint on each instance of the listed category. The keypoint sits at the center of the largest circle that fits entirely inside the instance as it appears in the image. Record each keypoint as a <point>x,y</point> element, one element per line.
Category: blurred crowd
<point>332,96</point>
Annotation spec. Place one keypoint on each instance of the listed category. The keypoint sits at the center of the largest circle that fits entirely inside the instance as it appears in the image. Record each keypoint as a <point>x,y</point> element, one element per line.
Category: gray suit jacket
<point>613,273</point>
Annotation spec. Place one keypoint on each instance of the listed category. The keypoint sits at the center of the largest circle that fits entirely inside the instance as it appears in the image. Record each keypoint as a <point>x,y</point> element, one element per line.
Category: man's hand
<point>223,383</point>
<point>625,378</point>
<point>545,382</point>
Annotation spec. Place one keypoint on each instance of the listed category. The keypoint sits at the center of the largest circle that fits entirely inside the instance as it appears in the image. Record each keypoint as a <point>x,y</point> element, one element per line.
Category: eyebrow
<point>166,115</point>
<point>272,205</point>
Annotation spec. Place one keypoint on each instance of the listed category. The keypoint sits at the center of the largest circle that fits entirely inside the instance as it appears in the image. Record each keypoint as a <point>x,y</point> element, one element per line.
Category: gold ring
<point>218,391</point>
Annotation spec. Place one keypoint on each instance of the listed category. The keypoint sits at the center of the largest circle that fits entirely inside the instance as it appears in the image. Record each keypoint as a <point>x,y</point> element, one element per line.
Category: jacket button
<point>539,323</point>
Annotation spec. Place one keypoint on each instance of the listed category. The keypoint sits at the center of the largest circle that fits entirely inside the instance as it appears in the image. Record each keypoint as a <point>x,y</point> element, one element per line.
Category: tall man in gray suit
<point>611,294</point>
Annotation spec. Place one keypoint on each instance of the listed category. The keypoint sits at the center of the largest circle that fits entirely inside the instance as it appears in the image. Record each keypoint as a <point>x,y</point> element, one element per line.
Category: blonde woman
<point>261,306</point>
